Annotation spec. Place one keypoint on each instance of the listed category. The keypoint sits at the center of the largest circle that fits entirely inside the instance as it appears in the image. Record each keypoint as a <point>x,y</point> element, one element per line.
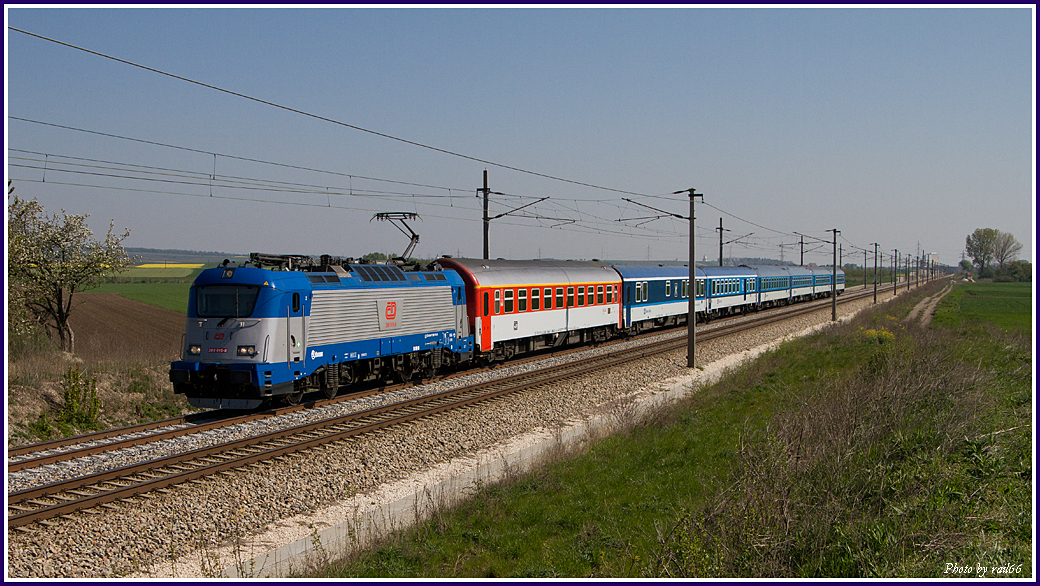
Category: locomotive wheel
<point>330,391</point>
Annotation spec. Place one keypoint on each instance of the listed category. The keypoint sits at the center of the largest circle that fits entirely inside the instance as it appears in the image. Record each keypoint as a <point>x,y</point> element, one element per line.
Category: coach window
<point>599,294</point>
<point>570,296</point>
<point>498,301</point>
<point>667,288</point>
<point>581,297</point>
<point>610,294</point>
<point>509,301</point>
<point>522,299</point>
<point>559,297</point>
<point>487,303</point>
<point>536,299</point>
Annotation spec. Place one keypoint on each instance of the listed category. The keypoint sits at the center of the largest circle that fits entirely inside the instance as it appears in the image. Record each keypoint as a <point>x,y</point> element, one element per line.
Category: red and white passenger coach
<point>520,306</point>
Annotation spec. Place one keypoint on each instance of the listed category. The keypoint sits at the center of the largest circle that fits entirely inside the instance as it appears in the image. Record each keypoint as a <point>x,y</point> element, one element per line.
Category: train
<point>279,326</point>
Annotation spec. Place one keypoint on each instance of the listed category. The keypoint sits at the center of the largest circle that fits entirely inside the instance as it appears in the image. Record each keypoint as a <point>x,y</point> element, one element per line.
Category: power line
<point>317,117</point>
<point>227,180</point>
<point>362,193</point>
<point>234,157</point>
<point>578,229</point>
<point>184,177</point>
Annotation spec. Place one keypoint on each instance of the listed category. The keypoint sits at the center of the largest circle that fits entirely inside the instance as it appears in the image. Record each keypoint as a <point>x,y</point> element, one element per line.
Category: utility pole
<point>895,269</point>
<point>834,278</point>
<point>864,268</point>
<point>691,319</point>
<point>908,272</point>
<point>875,272</point>
<point>487,221</point>
<point>721,230</point>
<point>801,259</point>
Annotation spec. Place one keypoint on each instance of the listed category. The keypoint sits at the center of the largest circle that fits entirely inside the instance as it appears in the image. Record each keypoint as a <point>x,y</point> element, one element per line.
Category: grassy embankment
<point>874,448</point>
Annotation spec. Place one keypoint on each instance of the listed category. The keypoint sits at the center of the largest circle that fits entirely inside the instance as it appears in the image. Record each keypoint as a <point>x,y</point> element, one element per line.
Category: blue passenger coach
<point>657,295</point>
<point>255,334</point>
<point>730,290</point>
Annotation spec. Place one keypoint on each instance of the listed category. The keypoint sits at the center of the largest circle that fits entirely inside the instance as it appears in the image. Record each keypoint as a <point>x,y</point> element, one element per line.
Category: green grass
<point>1006,306</point>
<point>173,296</point>
<point>874,448</point>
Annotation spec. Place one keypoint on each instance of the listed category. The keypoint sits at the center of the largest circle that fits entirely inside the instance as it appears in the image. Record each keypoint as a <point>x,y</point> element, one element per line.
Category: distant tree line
<point>994,255</point>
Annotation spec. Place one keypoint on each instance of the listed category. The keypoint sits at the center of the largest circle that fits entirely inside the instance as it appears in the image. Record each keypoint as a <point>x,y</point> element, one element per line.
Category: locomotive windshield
<point>226,300</point>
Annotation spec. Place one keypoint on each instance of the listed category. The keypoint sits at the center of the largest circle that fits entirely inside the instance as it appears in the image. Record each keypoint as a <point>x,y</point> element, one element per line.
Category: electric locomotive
<point>256,334</point>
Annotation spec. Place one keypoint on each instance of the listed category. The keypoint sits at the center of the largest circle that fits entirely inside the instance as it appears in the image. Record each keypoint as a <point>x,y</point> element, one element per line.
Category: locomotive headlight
<point>246,350</point>
<point>194,349</point>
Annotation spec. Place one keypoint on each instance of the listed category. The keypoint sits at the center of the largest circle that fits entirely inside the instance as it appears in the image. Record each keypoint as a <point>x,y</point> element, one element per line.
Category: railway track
<point>101,489</point>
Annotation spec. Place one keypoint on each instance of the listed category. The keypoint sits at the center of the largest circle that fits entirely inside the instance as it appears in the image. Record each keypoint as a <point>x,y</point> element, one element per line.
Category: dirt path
<point>927,306</point>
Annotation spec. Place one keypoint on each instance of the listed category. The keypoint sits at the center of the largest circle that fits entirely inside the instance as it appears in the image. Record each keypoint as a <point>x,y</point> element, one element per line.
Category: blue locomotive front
<point>254,334</point>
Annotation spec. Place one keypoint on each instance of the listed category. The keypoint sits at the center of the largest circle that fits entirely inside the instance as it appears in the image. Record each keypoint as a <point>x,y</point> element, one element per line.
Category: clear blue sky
<point>897,126</point>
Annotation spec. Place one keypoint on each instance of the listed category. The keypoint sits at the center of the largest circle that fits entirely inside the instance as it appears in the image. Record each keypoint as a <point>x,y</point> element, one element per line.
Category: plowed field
<point>111,327</point>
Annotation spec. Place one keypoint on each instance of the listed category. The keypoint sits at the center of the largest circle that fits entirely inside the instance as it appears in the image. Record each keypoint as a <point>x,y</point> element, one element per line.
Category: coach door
<point>294,330</point>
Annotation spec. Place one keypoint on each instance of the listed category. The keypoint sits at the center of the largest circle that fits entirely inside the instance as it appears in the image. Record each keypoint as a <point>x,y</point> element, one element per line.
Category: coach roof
<point>646,272</point>
<point>504,273</point>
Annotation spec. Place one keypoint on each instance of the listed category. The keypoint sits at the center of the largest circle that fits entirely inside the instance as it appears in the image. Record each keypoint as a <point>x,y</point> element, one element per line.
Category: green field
<point>1007,306</point>
<point>173,296</point>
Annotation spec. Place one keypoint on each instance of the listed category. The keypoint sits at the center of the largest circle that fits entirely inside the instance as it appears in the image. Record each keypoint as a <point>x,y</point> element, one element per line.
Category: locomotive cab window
<point>227,300</point>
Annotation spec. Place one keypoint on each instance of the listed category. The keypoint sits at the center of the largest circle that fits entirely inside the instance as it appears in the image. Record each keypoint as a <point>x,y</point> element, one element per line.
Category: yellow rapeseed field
<point>156,265</point>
